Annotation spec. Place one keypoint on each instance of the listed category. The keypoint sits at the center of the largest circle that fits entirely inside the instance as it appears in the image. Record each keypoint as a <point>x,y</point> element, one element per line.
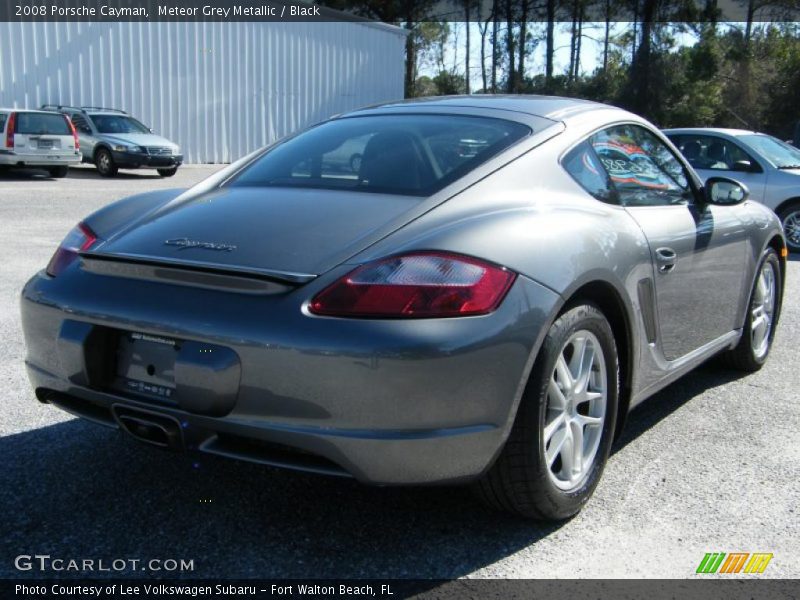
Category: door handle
<point>666,258</point>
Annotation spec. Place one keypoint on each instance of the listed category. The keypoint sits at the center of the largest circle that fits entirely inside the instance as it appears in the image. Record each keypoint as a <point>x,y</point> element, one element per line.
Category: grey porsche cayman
<point>447,290</point>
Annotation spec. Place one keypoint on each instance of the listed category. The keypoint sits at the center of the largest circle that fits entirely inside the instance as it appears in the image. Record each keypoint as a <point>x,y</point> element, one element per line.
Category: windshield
<point>38,124</point>
<point>780,154</point>
<point>395,154</point>
<point>118,124</point>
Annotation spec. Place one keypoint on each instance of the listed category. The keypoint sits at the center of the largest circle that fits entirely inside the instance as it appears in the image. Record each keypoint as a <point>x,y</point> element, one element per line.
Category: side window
<point>80,123</point>
<point>711,152</point>
<point>643,170</point>
<point>583,165</point>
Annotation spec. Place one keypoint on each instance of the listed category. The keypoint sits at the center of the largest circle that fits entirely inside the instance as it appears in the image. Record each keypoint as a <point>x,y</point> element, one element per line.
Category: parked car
<point>490,319</point>
<point>768,166</point>
<point>111,139</point>
<point>38,140</point>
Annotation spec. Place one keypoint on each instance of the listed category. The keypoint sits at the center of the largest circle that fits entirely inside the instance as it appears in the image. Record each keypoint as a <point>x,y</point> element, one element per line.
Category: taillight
<point>79,239</point>
<point>12,123</point>
<point>425,284</point>
<point>74,132</point>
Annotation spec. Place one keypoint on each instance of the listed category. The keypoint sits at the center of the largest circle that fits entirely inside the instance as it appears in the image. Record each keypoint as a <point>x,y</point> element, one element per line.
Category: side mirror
<point>150,129</point>
<point>725,192</point>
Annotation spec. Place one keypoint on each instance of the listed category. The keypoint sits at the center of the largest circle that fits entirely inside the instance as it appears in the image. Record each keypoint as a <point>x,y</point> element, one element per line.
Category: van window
<point>118,124</point>
<point>39,123</point>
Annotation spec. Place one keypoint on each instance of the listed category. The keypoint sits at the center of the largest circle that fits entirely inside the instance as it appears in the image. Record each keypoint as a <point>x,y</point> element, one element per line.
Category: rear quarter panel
<point>533,218</point>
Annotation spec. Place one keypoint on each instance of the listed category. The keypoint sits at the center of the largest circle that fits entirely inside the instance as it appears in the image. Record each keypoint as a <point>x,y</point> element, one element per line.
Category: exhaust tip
<point>44,395</point>
<point>145,431</point>
<point>152,428</point>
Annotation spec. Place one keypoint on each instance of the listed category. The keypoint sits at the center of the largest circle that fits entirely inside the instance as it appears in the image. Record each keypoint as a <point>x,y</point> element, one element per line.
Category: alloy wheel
<point>762,311</point>
<point>791,228</point>
<point>104,162</point>
<point>575,412</point>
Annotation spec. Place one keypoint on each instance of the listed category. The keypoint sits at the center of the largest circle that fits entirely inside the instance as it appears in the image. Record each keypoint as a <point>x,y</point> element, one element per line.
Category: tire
<point>790,218</point>
<point>58,172</point>
<point>520,481</point>
<point>167,172</point>
<point>753,348</point>
<point>105,163</point>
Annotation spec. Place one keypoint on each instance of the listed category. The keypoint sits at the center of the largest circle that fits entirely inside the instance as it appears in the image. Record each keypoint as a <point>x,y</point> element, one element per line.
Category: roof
<point>722,130</point>
<point>22,109</point>
<point>87,110</point>
<point>556,108</point>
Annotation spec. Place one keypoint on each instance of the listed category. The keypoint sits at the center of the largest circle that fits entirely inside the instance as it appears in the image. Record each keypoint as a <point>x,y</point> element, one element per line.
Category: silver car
<point>482,299</point>
<point>111,139</point>
<point>769,167</point>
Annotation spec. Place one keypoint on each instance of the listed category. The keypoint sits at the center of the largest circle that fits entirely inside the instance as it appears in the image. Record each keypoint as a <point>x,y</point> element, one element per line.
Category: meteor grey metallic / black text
<point>469,289</point>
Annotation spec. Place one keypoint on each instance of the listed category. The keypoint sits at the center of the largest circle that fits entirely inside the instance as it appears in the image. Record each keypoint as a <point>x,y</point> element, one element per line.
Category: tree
<point>483,29</point>
<point>550,49</point>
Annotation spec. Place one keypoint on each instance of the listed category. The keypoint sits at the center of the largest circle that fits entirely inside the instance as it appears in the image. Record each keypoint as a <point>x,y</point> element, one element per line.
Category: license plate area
<point>145,366</point>
<point>45,144</point>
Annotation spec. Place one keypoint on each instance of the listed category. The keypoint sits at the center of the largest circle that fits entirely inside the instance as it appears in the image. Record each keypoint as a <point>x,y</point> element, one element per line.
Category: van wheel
<point>167,172</point>
<point>58,172</point>
<point>562,435</point>
<point>105,163</point>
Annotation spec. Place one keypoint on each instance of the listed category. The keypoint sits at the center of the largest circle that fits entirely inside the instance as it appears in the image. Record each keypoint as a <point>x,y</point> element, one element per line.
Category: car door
<point>698,250</point>
<point>717,156</point>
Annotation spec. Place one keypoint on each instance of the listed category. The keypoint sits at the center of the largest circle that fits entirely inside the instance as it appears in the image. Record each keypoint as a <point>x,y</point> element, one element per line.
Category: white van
<point>38,139</point>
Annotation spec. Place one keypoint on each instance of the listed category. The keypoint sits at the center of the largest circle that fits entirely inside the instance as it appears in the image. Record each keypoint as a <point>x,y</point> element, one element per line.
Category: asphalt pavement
<point>710,464</point>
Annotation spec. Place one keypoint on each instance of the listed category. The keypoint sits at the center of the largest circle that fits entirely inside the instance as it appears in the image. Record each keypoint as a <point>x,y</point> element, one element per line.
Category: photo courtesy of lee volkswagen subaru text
<point>481,297</point>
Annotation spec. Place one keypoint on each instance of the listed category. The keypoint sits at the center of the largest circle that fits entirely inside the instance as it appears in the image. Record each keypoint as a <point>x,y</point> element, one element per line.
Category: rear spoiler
<point>202,266</point>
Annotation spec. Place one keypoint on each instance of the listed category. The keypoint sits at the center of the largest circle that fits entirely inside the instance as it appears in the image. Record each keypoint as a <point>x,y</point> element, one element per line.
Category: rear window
<point>39,123</point>
<point>399,154</point>
<point>2,122</point>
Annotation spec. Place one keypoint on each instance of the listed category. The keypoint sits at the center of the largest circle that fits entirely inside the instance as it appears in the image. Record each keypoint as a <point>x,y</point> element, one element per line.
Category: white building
<point>220,90</point>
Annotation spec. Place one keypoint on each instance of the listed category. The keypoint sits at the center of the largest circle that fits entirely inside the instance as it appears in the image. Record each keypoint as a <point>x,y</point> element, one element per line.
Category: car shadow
<point>25,175</point>
<point>77,490</point>
<point>658,407</point>
<point>89,172</point>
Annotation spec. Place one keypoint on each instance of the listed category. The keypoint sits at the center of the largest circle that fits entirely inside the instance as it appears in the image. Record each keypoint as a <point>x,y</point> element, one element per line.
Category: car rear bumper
<point>17,159</point>
<point>387,402</point>
<point>136,160</point>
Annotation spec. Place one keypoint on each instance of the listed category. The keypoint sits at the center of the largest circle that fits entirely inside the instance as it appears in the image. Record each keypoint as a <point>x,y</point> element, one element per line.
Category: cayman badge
<point>186,243</point>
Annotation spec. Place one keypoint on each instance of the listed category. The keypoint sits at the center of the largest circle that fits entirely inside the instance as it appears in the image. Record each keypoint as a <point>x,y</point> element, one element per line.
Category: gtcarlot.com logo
<point>45,563</point>
<point>734,562</point>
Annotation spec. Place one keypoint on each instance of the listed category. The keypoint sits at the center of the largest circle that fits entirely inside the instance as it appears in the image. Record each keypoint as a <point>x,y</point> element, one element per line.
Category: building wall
<point>220,90</point>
